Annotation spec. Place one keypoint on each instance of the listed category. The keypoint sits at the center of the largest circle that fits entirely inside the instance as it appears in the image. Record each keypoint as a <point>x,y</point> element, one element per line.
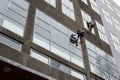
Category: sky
<point>117,1</point>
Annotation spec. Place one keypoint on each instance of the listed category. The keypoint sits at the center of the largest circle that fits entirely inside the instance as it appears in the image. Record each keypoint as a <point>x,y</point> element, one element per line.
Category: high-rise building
<point>35,40</point>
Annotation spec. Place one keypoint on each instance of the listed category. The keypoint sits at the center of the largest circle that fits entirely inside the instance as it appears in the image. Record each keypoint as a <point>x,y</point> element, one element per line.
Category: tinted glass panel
<point>59,66</point>
<point>3,5</point>
<point>60,38</point>
<point>15,16</point>
<point>39,56</point>
<point>9,42</point>
<point>39,40</point>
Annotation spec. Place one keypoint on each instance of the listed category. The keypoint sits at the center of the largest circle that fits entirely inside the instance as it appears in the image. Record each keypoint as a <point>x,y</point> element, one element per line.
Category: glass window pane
<point>59,26</point>
<point>90,46</point>
<point>42,16</point>
<point>68,9</point>
<point>91,53</point>
<point>85,1</point>
<point>53,2</point>
<point>10,42</point>
<point>16,17</point>
<point>77,75</point>
<point>64,9</point>
<point>95,69</point>
<point>77,60</point>
<point>60,51</point>
<point>72,15</point>
<point>3,5</point>
<point>22,3</point>
<point>76,50</point>
<point>93,60</point>
<point>41,41</point>
<point>60,38</point>
<point>19,10</point>
<point>102,63</point>
<point>41,31</point>
<point>42,24</point>
<point>59,66</point>
<point>37,55</point>
<point>13,26</point>
<point>1,18</point>
<point>71,6</point>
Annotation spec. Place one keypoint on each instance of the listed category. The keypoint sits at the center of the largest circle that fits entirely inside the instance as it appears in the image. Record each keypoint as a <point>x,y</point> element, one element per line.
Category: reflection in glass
<point>10,42</point>
<point>37,55</point>
<point>14,15</point>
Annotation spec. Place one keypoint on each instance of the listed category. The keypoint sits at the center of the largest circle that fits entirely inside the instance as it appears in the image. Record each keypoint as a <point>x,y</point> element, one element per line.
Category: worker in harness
<point>80,34</point>
<point>91,25</point>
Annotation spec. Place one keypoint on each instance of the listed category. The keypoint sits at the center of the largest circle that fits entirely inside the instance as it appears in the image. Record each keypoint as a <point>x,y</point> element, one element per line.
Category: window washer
<point>91,25</point>
<point>80,34</point>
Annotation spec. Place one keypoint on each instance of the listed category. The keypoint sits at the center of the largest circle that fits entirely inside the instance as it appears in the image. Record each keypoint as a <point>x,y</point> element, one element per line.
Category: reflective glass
<point>42,24</point>
<point>42,16</point>
<point>3,6</point>
<point>60,38</point>
<point>59,26</point>
<point>59,66</point>
<point>101,63</point>
<point>39,30</point>
<point>37,55</point>
<point>51,2</point>
<point>77,60</point>
<point>85,1</point>
<point>54,36</point>
<point>1,18</point>
<point>77,75</point>
<point>10,42</point>
<point>15,15</point>
<point>60,51</point>
<point>13,26</point>
<point>68,8</point>
<point>41,41</point>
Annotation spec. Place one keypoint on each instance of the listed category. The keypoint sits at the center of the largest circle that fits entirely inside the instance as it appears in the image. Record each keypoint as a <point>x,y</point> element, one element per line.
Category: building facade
<point>35,40</point>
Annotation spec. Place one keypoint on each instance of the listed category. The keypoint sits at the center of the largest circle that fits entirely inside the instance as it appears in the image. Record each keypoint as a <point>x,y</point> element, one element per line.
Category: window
<point>94,5</point>
<point>108,2</point>
<point>39,56</point>
<point>103,1</point>
<point>59,66</point>
<point>3,7</point>
<point>53,36</point>
<point>60,51</point>
<point>60,39</point>
<point>51,2</point>
<point>68,8</point>
<point>107,16</point>
<point>85,1</point>
<point>41,34</point>
<point>116,23</point>
<point>109,5</point>
<point>101,63</point>
<point>77,60</point>
<point>102,32</point>
<point>115,41</point>
<point>86,18</point>
<point>56,64</point>
<point>10,42</point>
<point>117,11</point>
<point>15,15</point>
<point>77,75</point>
